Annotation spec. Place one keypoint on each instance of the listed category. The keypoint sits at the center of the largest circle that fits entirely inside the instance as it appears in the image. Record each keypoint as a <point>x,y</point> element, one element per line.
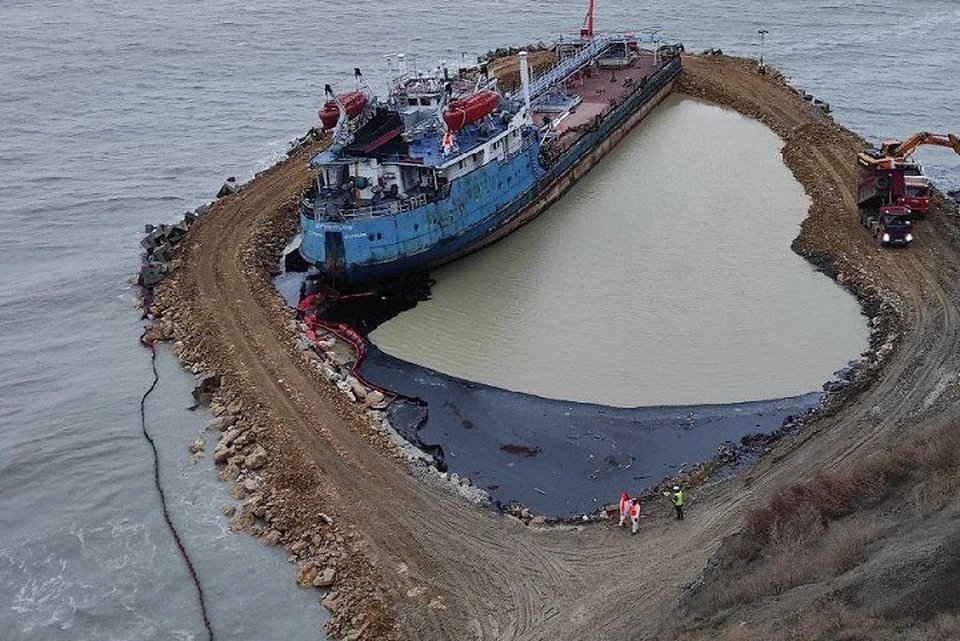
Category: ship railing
<point>570,64</point>
<point>333,212</point>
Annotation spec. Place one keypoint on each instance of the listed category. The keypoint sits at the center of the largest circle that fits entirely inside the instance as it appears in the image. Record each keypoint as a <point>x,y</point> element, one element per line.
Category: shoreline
<point>286,504</point>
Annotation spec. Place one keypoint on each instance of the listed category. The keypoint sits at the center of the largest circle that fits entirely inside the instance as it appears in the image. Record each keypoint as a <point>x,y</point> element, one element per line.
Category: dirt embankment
<point>411,560</point>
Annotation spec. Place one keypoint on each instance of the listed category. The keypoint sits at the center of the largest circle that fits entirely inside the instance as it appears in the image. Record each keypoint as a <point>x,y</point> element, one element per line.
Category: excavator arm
<point>903,149</point>
<point>896,151</point>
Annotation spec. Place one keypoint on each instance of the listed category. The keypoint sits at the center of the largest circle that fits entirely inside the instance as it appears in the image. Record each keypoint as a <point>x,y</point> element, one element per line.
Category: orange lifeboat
<point>470,109</point>
<point>353,101</point>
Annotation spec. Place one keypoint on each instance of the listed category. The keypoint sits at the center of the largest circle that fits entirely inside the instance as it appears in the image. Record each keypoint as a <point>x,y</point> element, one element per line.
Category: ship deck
<point>599,92</point>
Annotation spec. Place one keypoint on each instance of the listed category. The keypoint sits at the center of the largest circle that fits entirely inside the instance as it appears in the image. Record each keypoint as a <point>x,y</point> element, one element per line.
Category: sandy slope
<point>420,563</point>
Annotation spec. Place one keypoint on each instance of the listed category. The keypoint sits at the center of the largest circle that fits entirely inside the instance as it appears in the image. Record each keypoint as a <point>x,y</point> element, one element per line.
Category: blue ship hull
<point>479,208</point>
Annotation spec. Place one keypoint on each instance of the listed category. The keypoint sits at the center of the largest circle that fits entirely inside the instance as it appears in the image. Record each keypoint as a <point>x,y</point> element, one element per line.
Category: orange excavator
<point>895,155</point>
<point>892,152</point>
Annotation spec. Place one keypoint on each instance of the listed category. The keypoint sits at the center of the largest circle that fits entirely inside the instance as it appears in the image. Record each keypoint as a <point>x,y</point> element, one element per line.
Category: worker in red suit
<point>630,509</point>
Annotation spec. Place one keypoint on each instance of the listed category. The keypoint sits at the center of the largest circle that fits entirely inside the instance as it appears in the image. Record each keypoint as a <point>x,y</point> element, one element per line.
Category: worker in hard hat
<point>624,508</point>
<point>678,501</point>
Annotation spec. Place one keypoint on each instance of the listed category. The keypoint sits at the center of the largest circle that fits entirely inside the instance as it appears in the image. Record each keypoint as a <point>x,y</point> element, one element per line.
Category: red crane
<point>587,30</point>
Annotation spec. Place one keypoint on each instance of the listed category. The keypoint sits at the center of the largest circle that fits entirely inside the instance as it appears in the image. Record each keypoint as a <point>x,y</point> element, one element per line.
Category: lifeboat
<point>470,109</point>
<point>353,101</point>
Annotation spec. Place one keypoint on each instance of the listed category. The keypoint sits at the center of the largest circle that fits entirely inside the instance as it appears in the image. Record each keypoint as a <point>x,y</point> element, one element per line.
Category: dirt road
<point>420,563</point>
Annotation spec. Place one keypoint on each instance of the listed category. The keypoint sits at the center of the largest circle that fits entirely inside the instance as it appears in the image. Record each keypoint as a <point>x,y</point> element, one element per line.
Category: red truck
<point>916,194</point>
<point>880,197</point>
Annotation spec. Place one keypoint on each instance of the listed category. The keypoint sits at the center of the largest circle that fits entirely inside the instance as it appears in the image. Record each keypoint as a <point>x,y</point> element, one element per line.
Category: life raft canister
<point>353,102</point>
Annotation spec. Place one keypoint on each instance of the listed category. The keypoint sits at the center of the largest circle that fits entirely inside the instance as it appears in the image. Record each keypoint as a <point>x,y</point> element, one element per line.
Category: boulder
<point>204,387</point>
<point>221,423</point>
<point>228,437</point>
<point>197,446</point>
<point>373,398</point>
<point>273,537</point>
<point>357,388</point>
<point>257,458</point>
<point>151,274</point>
<point>299,547</point>
<point>307,574</point>
<point>229,187</point>
<point>222,453</point>
<point>326,578</point>
<point>332,601</point>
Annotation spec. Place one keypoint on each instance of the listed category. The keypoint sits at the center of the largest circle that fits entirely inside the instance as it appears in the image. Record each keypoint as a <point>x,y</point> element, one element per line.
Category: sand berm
<point>411,560</point>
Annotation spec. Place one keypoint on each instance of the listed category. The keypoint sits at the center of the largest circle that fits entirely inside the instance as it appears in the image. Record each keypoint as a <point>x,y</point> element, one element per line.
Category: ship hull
<point>525,202</point>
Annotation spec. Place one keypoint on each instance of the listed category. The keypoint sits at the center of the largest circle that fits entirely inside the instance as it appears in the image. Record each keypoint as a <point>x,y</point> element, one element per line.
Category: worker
<point>678,501</point>
<point>634,515</point>
<point>624,508</point>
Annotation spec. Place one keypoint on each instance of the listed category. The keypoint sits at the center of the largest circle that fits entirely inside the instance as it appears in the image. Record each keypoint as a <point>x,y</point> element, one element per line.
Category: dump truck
<point>878,196</point>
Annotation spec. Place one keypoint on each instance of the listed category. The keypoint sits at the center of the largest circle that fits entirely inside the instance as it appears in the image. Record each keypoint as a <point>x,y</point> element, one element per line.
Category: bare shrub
<point>936,492</point>
<point>844,546</point>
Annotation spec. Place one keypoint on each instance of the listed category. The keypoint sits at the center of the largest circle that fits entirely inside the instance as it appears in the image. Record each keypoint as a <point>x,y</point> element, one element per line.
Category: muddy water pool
<point>664,277</point>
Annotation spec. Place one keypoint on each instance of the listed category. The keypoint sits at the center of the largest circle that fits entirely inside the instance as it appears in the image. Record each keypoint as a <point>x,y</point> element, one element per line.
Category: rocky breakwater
<point>281,495</point>
<point>328,555</point>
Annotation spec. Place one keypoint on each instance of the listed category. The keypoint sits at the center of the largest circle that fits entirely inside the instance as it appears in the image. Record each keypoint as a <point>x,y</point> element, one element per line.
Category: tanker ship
<point>449,163</point>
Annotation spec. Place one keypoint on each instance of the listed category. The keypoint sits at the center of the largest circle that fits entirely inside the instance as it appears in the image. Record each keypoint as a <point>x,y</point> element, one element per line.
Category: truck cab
<point>881,200</point>
<point>893,225</point>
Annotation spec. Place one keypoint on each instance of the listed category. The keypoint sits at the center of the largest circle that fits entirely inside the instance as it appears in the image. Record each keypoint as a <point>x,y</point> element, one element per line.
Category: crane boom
<point>587,30</point>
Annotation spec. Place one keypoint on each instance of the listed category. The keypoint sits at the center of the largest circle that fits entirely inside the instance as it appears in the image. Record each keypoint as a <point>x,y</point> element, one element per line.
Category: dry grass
<point>831,620</point>
<point>821,528</point>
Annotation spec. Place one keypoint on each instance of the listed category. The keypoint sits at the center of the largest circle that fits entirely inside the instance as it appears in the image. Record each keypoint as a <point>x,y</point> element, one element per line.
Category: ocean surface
<point>114,114</point>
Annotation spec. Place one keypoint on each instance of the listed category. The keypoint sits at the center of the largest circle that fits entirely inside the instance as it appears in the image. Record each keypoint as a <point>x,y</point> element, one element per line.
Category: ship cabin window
<point>379,236</point>
<point>460,164</point>
<point>416,227</point>
<point>370,237</point>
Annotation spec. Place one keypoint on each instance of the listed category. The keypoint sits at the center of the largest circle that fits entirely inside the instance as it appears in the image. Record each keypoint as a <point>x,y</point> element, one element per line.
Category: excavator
<point>896,151</point>
<point>895,155</point>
